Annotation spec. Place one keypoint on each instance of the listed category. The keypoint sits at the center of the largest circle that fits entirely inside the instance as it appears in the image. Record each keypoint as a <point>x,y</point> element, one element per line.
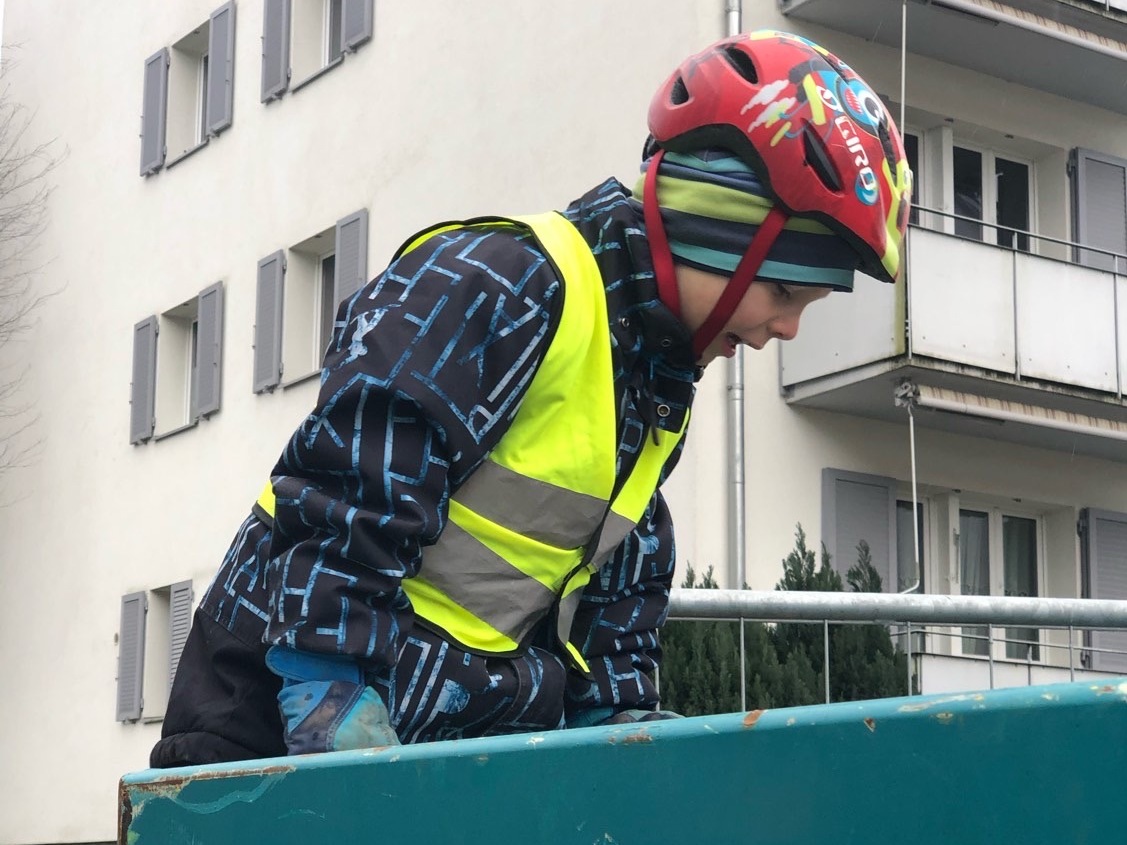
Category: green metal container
<point>1031,765</point>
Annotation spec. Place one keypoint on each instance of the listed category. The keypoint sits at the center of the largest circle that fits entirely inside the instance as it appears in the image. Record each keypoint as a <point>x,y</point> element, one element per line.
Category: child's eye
<point>783,291</point>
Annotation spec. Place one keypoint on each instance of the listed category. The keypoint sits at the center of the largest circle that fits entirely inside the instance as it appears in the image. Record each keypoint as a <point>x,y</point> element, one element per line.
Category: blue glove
<point>607,716</point>
<point>325,704</point>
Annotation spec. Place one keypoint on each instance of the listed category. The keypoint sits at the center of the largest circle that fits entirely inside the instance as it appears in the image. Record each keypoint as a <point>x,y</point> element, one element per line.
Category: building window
<point>1011,204</point>
<point>967,174</point>
<point>188,92</point>
<point>177,344</point>
<point>299,291</point>
<point>177,363</point>
<point>909,575</point>
<point>912,152</point>
<point>999,554</point>
<point>310,304</point>
<point>153,629</point>
<point>326,303</point>
<point>302,39</point>
<point>333,38</point>
<point>994,190</point>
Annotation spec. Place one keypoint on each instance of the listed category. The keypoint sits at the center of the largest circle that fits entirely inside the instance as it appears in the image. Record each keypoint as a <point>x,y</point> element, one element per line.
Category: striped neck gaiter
<point>712,205</point>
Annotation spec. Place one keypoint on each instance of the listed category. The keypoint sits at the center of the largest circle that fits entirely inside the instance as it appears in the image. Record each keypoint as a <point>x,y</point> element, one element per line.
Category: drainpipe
<point>737,526</point>
<point>734,10</point>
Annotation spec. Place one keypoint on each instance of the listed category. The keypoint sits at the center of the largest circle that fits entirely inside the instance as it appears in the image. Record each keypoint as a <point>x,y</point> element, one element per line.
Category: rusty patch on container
<point>751,718</point>
<point>125,815</point>
<point>168,787</point>
<point>1108,689</point>
<point>871,724</point>
<point>641,736</point>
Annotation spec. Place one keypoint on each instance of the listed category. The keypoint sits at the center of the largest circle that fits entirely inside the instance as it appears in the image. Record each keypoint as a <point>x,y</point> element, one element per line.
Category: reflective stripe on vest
<point>531,524</point>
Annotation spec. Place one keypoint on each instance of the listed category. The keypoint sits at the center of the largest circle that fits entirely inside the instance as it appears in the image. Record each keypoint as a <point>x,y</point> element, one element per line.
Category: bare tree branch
<point>25,189</point>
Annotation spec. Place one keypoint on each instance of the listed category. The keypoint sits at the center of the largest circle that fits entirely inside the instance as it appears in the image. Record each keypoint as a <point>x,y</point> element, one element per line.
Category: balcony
<point>993,342</point>
<point>1080,45</point>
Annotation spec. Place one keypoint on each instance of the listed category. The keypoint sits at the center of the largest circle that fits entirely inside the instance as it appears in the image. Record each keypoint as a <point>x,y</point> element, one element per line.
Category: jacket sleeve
<point>426,369</point>
<point>620,612</point>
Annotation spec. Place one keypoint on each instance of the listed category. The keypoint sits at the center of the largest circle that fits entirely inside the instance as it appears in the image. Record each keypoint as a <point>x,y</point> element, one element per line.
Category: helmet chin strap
<point>660,253</point>
<point>666,275</point>
<point>741,280</point>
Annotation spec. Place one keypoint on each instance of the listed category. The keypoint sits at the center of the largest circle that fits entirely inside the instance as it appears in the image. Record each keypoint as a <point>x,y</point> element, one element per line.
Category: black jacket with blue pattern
<point>428,365</point>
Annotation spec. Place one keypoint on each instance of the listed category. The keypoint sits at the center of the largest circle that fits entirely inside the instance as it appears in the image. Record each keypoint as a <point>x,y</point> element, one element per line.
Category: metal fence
<point>909,615</point>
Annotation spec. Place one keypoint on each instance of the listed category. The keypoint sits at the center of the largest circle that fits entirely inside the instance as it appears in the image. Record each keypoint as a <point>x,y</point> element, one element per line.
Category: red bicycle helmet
<point>823,144</point>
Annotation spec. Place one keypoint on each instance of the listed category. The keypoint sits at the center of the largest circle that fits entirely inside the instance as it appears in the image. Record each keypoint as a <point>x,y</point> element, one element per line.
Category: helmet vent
<point>679,94</point>
<point>819,161</point>
<point>742,64</point>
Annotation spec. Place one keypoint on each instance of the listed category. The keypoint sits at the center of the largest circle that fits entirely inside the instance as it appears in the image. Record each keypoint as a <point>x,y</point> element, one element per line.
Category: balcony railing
<point>1092,631</point>
<point>1029,315</point>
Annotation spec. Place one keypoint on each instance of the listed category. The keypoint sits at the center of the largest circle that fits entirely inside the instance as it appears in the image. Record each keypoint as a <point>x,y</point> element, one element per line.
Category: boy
<point>465,537</point>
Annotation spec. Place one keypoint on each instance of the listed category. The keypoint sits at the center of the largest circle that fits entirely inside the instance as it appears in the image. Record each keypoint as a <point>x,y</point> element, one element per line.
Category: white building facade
<point>287,147</point>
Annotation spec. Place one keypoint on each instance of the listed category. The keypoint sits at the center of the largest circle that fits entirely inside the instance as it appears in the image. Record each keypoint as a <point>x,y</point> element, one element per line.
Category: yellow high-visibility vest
<point>535,520</point>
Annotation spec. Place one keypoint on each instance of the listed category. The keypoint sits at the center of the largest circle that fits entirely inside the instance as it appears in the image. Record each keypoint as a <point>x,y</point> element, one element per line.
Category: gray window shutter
<point>1104,569</point>
<point>858,507</point>
<point>154,108</point>
<point>209,350</point>
<point>268,322</point>
<point>221,69</point>
<point>131,656</point>
<point>356,23</point>
<point>275,48</point>
<point>142,398</point>
<point>351,269</point>
<point>180,622</point>
<point>1099,207</point>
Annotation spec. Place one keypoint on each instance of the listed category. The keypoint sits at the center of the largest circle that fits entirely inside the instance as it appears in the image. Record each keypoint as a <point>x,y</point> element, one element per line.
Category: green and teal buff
<point>712,204</point>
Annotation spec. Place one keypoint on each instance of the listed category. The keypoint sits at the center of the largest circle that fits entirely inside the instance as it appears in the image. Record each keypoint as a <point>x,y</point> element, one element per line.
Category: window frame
<point>174,369</point>
<point>151,638</point>
<point>327,305</point>
<point>333,40</point>
<point>923,521</point>
<point>301,314</point>
<point>990,226</point>
<point>996,575</point>
<point>918,182</point>
<point>172,117</point>
<point>289,302</point>
<point>201,99</point>
<point>181,355</point>
<point>297,41</point>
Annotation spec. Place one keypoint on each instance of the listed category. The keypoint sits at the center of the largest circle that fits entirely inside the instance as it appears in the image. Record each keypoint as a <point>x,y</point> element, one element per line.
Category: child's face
<point>767,310</point>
